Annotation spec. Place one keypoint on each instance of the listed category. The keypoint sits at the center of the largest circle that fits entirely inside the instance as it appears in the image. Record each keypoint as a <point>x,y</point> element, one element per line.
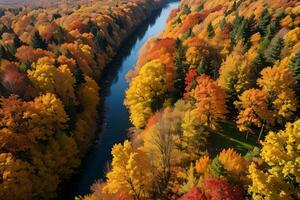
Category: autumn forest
<point>212,97</point>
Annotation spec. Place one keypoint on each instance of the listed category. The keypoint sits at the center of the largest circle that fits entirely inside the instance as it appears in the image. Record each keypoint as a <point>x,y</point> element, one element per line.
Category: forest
<point>213,100</point>
<point>51,59</point>
<point>214,104</point>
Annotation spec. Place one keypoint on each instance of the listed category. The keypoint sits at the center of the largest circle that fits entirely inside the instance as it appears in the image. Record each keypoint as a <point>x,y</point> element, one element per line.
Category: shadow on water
<point>114,116</point>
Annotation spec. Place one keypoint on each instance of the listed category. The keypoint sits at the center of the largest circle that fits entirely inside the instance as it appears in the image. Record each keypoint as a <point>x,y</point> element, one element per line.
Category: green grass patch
<point>229,136</point>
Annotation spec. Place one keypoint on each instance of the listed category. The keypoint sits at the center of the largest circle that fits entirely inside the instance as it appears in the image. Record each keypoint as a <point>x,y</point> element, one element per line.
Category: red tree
<point>194,194</point>
<point>13,81</point>
<point>220,188</point>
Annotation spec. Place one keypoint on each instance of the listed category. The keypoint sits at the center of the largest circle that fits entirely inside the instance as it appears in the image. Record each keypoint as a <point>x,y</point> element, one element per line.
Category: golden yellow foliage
<point>145,89</point>
<point>280,152</point>
<point>202,164</point>
<point>130,173</point>
<point>233,162</point>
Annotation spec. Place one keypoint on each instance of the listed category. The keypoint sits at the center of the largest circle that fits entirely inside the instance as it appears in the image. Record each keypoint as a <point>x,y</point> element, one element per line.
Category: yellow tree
<point>253,110</point>
<point>235,75</point>
<point>160,144</point>
<point>281,178</point>
<point>194,136</point>
<point>65,83</point>
<point>233,162</point>
<point>279,83</point>
<point>146,92</point>
<point>43,75</point>
<point>210,101</point>
<point>130,174</point>
<point>16,182</point>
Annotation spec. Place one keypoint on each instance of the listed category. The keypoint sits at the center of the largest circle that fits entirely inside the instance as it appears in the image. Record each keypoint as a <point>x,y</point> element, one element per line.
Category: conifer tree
<point>179,82</point>
<point>210,30</point>
<point>186,10</point>
<point>295,67</point>
<point>274,50</point>
<point>264,21</point>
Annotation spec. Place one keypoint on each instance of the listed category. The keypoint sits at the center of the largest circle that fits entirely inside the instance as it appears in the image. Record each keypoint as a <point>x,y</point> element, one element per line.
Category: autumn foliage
<point>51,58</point>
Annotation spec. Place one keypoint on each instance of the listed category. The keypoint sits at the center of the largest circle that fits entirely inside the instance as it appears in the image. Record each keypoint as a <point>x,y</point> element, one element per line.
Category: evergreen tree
<point>200,7</point>
<point>274,50</point>
<point>186,10</point>
<point>210,30</point>
<point>179,82</point>
<point>258,63</point>
<point>217,168</point>
<point>264,22</point>
<point>79,77</point>
<point>203,67</point>
<point>273,28</point>
<point>5,53</point>
<point>223,24</point>
<point>70,109</point>
<point>187,34</point>
<point>38,42</point>
<point>295,67</point>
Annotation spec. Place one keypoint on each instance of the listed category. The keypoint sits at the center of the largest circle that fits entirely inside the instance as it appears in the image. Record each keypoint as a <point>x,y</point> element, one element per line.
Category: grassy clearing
<point>229,136</point>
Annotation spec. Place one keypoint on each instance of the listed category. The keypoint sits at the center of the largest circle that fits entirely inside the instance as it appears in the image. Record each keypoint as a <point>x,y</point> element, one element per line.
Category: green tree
<point>264,22</point>
<point>258,63</point>
<point>179,82</point>
<point>210,30</point>
<point>186,10</point>
<point>274,50</point>
<point>295,67</point>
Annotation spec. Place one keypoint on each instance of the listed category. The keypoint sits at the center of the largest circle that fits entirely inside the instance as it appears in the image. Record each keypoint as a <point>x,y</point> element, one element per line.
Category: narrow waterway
<point>115,117</point>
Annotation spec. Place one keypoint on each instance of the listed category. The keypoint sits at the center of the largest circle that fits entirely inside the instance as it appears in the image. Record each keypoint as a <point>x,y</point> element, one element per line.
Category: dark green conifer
<point>264,22</point>
<point>274,51</point>
<point>210,30</point>
<point>186,10</point>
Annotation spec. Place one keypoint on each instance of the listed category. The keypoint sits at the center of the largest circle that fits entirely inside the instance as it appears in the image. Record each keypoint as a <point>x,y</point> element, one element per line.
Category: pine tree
<point>187,34</point>
<point>223,24</point>
<point>200,7</point>
<point>38,42</point>
<point>295,67</point>
<point>179,82</point>
<point>79,76</point>
<point>273,28</point>
<point>210,30</point>
<point>186,10</point>
<point>217,168</point>
<point>274,50</point>
<point>258,63</point>
<point>264,21</point>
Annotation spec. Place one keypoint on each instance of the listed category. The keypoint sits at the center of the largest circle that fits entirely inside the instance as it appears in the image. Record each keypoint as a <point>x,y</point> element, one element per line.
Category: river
<point>114,117</point>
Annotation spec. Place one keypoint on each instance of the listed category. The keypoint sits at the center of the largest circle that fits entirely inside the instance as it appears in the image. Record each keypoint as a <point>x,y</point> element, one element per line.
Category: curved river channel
<point>115,118</point>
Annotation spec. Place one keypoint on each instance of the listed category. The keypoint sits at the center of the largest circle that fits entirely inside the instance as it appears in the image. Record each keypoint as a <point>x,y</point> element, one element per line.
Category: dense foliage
<point>220,69</point>
<point>50,60</point>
